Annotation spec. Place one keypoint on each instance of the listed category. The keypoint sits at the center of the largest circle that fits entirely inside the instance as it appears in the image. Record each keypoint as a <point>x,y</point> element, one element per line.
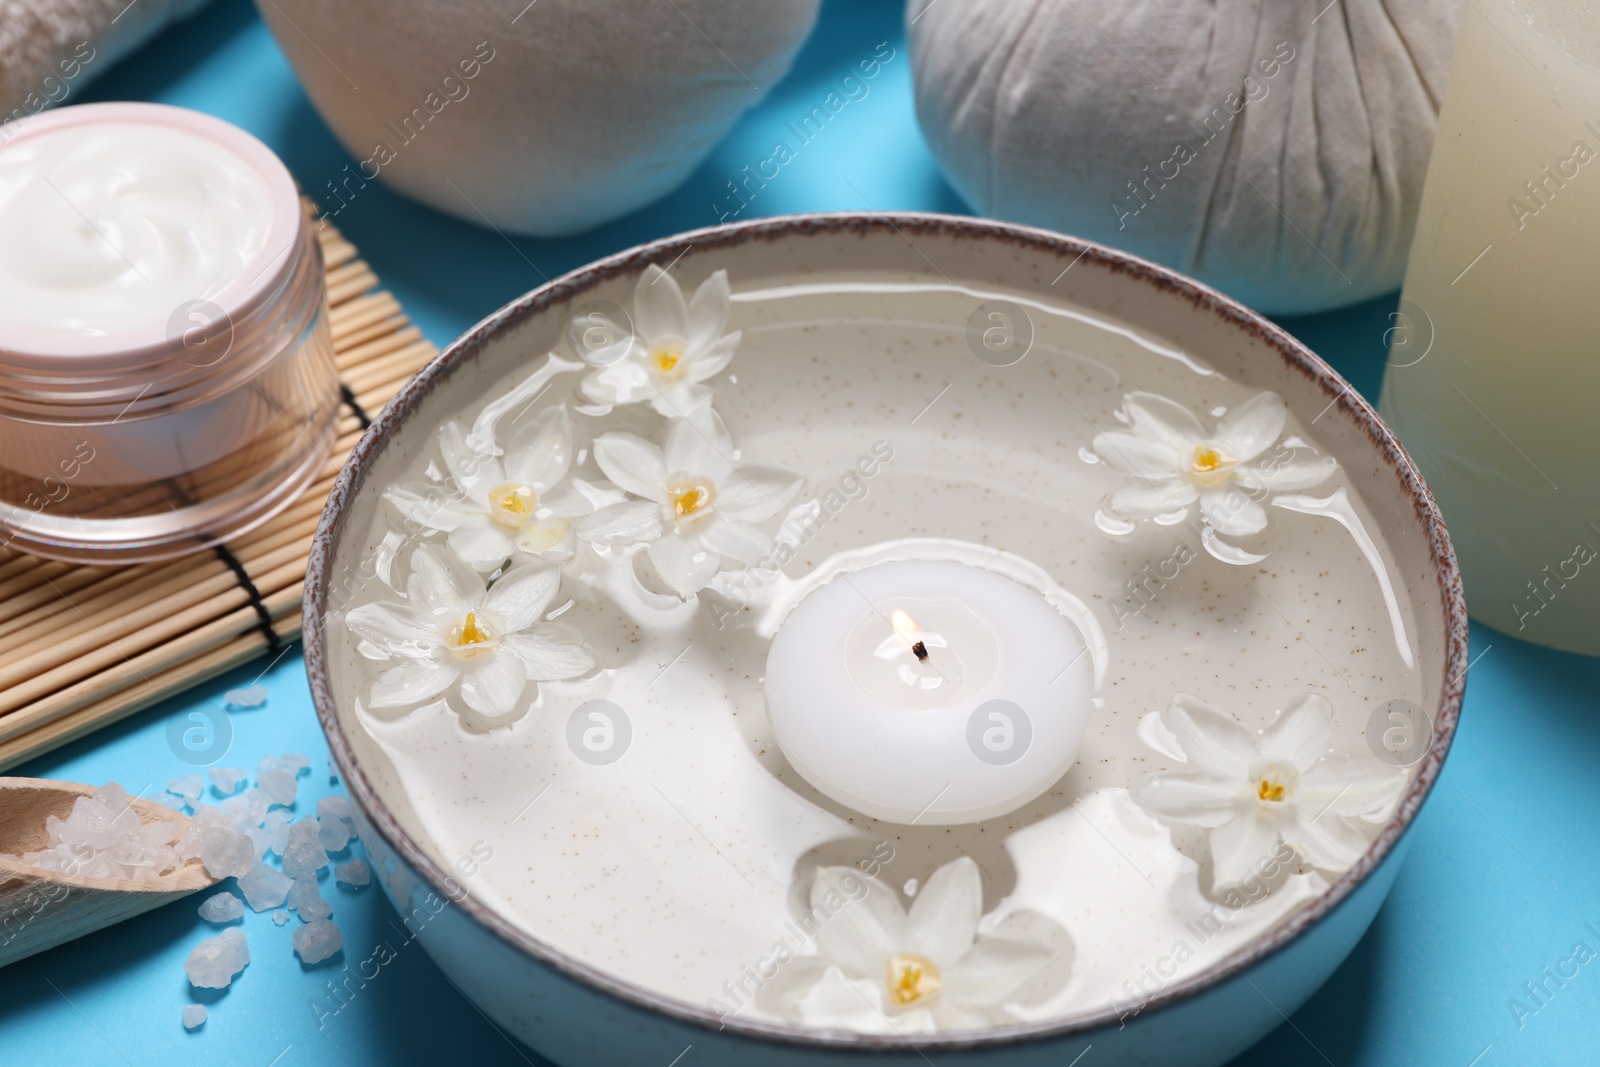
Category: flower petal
<point>473,470</point>
<point>860,923</point>
<point>632,463</point>
<point>566,502</point>
<point>713,358</point>
<point>1140,501</point>
<point>1302,470</point>
<point>701,445</point>
<point>1252,427</point>
<point>757,492</point>
<point>708,310</point>
<point>624,524</point>
<point>1238,848</point>
<point>541,452</point>
<point>736,541</point>
<point>411,683</point>
<point>439,583</point>
<point>1158,419</point>
<point>522,594</point>
<point>995,969</point>
<point>623,382</point>
<point>658,307</point>
<point>551,539</point>
<point>431,507</point>
<point>395,628</point>
<point>1197,799</point>
<point>834,1002</point>
<point>1231,512</point>
<point>493,681</point>
<point>1301,734</point>
<point>1214,743</point>
<point>944,915</point>
<point>552,653</point>
<point>1328,842</point>
<point>1351,785</point>
<point>482,543</point>
<point>681,400</point>
<point>1139,457</point>
<point>684,563</point>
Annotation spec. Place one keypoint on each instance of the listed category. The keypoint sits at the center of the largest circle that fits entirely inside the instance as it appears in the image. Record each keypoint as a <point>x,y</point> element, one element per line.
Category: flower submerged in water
<point>501,506</point>
<point>676,346</point>
<point>1175,462</point>
<point>454,635</point>
<point>881,966</point>
<point>699,508</point>
<point>1252,793</point>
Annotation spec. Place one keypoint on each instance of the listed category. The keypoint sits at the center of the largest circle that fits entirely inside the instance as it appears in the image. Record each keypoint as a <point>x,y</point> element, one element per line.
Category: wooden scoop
<point>41,909</point>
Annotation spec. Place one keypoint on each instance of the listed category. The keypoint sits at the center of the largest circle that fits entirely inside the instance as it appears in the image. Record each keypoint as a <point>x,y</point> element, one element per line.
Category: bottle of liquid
<point>1493,381</point>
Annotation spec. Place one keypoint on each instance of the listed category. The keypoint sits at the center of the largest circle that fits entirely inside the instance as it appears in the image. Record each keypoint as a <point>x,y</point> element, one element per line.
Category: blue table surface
<point>1502,874</point>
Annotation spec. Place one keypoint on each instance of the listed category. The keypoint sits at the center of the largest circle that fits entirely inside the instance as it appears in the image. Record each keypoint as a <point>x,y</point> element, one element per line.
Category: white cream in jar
<point>105,227</point>
<point>163,312</point>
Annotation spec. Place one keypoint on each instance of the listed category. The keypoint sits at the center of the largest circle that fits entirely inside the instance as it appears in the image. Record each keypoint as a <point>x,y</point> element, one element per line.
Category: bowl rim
<point>1071,250</point>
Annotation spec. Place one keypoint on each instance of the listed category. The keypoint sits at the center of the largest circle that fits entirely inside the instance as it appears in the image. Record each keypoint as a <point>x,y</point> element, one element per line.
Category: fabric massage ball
<point>1273,149</point>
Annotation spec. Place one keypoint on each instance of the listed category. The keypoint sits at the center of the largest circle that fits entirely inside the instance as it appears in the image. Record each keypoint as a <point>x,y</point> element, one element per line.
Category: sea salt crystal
<point>226,779</point>
<point>225,853</point>
<point>355,873</point>
<point>193,1015</point>
<point>215,961</point>
<point>307,900</point>
<point>333,834</point>
<point>303,854</point>
<point>278,784</point>
<point>280,917</point>
<point>222,908</point>
<point>247,809</point>
<point>251,696</point>
<point>187,786</point>
<point>294,762</point>
<point>318,940</point>
<point>276,827</point>
<point>264,887</point>
<point>335,806</point>
<point>104,837</point>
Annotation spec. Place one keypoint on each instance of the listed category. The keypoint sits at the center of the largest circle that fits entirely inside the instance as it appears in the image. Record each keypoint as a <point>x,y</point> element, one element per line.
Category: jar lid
<point>143,233</point>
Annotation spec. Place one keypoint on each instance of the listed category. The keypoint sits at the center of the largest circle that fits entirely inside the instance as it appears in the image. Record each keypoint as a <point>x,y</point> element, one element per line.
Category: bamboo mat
<point>81,647</point>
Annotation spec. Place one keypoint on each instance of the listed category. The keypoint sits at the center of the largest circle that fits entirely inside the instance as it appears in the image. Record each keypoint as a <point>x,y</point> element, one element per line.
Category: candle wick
<point>921,651</point>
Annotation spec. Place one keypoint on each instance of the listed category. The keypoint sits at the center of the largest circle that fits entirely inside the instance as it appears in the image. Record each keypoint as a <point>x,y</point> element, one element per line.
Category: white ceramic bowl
<point>577,1013</point>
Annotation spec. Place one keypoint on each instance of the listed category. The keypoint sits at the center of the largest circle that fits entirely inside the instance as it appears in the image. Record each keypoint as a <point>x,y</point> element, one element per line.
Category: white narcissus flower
<point>500,506</point>
<point>879,966</point>
<point>675,347</point>
<point>698,508</point>
<point>453,633</point>
<point>1253,793</point>
<point>1176,462</point>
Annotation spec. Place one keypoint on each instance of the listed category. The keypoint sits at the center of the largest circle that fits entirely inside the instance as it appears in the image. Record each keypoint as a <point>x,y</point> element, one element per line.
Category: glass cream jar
<point>166,364</point>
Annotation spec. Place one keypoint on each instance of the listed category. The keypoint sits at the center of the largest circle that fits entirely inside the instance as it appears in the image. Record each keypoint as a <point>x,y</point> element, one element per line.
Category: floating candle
<point>928,692</point>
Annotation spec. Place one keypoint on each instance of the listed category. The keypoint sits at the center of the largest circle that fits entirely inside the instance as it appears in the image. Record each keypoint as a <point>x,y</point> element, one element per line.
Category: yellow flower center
<point>512,503</point>
<point>690,497</point>
<point>912,979</point>
<point>666,355</point>
<point>1271,789</point>
<point>1207,460</point>
<point>470,635</point>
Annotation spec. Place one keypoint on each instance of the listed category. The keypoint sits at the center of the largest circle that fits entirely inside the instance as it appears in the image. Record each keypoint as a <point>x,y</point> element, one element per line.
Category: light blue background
<point>1504,864</point>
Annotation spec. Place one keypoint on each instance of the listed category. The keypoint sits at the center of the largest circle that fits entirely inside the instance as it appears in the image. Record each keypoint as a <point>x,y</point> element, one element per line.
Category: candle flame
<point>905,627</point>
